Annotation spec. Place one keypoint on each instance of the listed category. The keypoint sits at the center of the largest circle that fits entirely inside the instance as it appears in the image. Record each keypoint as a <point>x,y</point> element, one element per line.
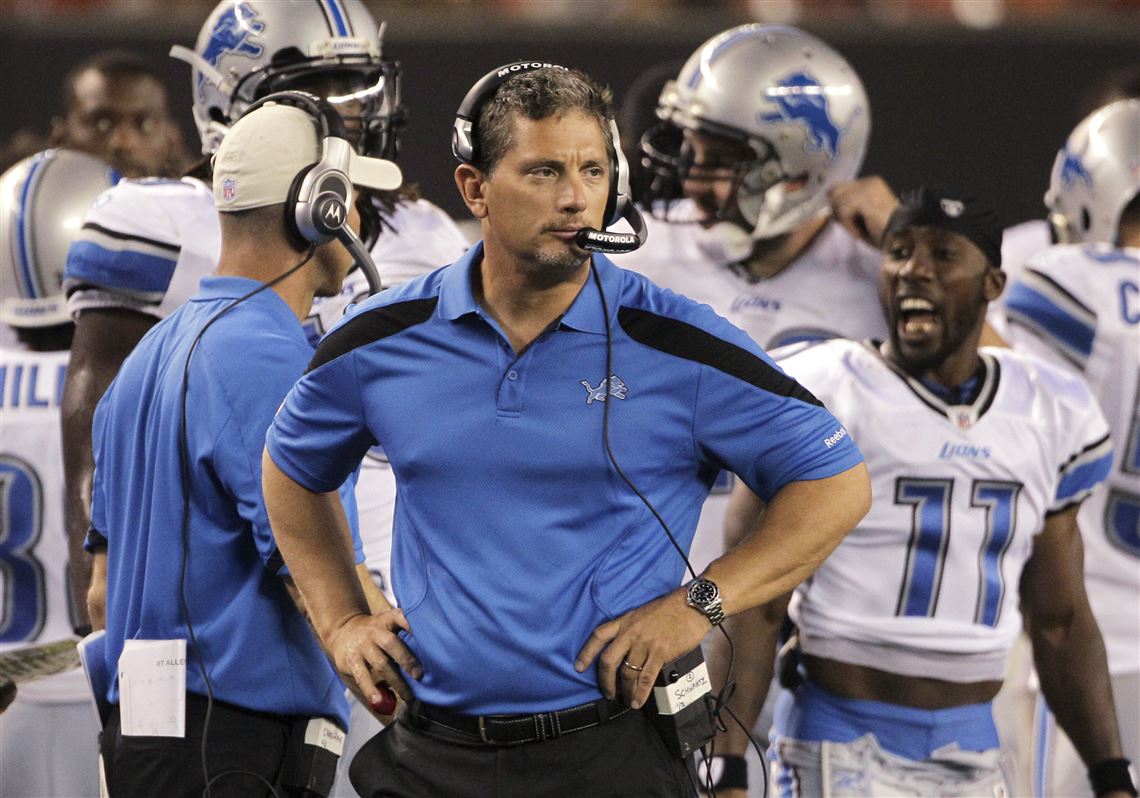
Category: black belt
<point>519,729</point>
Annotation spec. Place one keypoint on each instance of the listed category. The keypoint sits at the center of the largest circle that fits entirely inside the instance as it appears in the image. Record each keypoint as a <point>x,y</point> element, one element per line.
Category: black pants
<point>239,740</point>
<point>624,757</point>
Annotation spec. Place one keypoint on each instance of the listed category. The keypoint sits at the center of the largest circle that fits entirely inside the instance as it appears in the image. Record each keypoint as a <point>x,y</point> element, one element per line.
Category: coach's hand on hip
<point>366,651</point>
<point>634,646</point>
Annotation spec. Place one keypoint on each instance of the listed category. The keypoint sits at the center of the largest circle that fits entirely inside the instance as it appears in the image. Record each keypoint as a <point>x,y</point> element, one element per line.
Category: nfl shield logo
<point>964,421</point>
<point>952,208</point>
<point>228,189</point>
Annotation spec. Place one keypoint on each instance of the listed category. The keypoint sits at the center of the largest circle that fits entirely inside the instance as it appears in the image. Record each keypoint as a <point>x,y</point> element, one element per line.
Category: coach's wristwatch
<point>704,595</point>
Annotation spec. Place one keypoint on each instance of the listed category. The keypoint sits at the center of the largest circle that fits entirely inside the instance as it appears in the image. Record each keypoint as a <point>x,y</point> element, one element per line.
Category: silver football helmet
<point>1095,175</point>
<point>792,99</point>
<point>249,48</point>
<point>42,202</point>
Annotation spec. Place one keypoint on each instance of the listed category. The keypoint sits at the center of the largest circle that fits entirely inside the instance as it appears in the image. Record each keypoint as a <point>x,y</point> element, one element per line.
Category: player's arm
<point>96,598</point>
<point>754,635</point>
<point>103,339</point>
<point>863,206</point>
<point>1068,650</point>
<point>377,601</point>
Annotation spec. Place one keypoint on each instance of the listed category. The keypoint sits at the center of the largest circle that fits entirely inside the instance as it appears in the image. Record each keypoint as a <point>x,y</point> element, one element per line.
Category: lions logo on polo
<point>231,34</point>
<point>617,389</point>
<point>800,98</point>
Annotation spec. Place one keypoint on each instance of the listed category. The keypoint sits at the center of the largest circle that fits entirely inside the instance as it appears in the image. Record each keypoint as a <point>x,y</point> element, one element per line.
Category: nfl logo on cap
<point>952,208</point>
<point>228,189</point>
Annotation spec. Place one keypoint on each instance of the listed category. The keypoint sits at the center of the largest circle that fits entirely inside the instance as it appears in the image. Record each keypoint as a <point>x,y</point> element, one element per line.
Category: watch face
<point>702,592</point>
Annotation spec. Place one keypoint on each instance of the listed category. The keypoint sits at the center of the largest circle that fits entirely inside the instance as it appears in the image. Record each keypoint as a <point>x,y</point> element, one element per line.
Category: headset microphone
<point>614,243</point>
<point>362,257</point>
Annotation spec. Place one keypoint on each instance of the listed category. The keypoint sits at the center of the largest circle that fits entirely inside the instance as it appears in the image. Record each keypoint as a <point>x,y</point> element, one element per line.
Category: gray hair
<point>538,94</point>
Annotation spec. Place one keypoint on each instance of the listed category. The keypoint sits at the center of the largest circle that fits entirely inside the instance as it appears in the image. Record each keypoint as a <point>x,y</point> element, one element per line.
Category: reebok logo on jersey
<point>835,438</point>
<point>951,450</point>
<point>617,388</point>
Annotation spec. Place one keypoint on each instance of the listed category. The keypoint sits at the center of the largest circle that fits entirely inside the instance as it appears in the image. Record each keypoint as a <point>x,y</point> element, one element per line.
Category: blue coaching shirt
<point>513,535</point>
<point>259,650</point>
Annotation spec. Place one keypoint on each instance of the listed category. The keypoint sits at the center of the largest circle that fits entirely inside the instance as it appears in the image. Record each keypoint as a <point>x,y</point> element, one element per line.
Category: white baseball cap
<point>260,156</point>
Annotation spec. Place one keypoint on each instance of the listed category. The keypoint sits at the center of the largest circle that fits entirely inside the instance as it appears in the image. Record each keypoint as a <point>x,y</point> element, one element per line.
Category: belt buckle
<point>483,730</point>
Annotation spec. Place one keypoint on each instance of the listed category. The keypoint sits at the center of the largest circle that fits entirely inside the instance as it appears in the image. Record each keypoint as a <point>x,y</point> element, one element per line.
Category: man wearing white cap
<point>192,576</point>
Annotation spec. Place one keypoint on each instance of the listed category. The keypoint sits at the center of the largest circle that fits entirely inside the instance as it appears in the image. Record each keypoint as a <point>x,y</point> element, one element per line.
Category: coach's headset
<point>316,207</point>
<point>619,205</point>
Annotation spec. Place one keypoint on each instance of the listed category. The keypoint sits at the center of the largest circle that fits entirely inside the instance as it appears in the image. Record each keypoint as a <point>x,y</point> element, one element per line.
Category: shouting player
<point>980,461</point>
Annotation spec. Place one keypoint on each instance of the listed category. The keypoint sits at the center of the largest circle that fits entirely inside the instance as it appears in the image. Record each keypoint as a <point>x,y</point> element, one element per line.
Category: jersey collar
<point>964,416</point>
<point>585,312</point>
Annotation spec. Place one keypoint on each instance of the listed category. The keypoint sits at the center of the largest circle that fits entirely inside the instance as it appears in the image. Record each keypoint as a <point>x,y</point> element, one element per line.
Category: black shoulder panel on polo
<point>683,340</point>
<point>372,325</point>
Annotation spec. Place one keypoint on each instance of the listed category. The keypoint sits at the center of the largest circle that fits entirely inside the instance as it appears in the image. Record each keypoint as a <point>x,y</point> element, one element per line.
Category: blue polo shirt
<point>513,536</point>
<point>259,650</point>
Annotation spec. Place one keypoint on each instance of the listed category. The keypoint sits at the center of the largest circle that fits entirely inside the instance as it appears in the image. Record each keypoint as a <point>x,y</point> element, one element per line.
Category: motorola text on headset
<point>619,205</point>
<point>316,212</point>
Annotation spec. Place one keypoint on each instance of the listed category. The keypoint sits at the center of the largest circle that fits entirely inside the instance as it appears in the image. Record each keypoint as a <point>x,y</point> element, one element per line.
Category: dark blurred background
<point>980,93</point>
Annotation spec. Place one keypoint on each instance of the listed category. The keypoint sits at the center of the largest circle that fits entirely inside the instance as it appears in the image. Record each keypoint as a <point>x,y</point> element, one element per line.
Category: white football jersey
<point>35,605</point>
<point>145,245</point>
<point>1079,306</point>
<point>829,291</point>
<point>927,583</point>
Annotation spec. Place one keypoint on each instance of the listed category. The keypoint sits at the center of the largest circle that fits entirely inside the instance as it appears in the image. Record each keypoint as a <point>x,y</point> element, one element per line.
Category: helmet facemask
<point>249,48</point>
<point>670,161</point>
<point>367,96</point>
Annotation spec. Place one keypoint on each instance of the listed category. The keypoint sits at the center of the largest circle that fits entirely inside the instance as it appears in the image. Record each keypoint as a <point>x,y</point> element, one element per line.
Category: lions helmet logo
<point>800,98</point>
<point>231,34</point>
<point>1073,169</point>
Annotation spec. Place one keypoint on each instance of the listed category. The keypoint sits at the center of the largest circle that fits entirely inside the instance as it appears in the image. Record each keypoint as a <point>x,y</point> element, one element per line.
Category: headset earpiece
<point>619,179</point>
<point>291,229</point>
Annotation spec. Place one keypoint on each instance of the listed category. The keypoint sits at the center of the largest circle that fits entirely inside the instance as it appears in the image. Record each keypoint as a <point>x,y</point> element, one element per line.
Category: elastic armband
<point>733,774</point>
<point>1112,775</point>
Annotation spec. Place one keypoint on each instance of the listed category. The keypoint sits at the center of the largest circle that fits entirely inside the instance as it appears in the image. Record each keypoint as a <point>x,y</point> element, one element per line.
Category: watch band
<point>710,608</point>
